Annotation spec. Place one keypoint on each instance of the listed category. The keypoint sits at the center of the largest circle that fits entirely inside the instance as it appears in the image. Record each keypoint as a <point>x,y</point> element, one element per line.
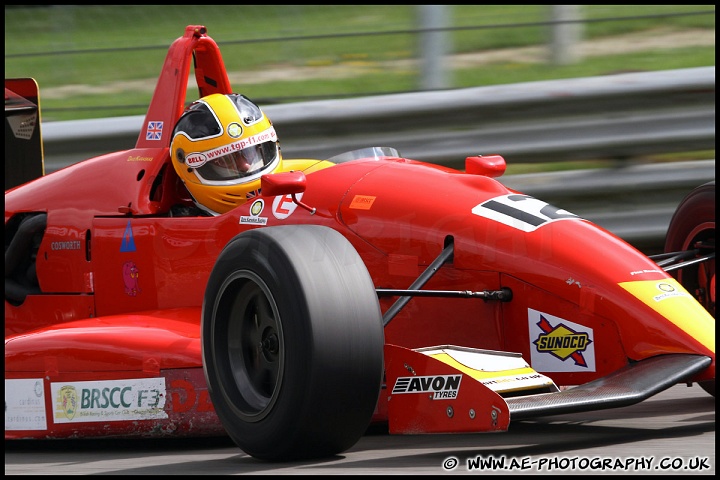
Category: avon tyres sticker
<point>108,401</point>
<point>438,386</point>
<point>559,345</point>
<point>521,211</point>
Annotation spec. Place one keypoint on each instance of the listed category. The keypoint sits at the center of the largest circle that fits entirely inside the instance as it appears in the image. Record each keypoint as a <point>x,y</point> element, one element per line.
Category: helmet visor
<point>236,162</point>
<point>240,164</point>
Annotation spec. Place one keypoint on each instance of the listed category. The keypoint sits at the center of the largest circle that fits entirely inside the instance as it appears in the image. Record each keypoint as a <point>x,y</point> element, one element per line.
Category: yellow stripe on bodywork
<point>479,374</point>
<point>672,301</point>
<point>500,381</point>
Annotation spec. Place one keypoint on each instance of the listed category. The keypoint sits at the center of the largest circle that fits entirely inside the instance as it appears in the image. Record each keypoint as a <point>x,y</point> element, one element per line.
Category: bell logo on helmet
<point>195,160</point>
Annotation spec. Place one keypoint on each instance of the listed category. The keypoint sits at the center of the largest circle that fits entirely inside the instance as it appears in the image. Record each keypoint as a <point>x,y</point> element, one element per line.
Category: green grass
<point>503,73</point>
<point>103,46</point>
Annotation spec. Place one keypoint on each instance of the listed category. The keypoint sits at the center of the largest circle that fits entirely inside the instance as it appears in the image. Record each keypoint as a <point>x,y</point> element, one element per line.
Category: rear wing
<point>24,159</point>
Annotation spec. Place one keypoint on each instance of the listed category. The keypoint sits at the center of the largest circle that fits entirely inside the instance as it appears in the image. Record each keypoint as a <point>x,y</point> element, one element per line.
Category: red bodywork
<point>122,283</point>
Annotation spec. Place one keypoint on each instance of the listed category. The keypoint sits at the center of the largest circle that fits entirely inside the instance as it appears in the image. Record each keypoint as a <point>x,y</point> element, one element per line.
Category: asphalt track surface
<point>670,433</point>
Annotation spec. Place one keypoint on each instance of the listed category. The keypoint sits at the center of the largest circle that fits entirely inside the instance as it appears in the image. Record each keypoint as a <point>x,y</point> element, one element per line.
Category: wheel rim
<point>698,280</point>
<point>249,336</point>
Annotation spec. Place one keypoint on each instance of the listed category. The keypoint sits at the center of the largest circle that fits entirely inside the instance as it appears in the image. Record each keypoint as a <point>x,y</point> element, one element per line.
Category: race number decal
<point>523,212</point>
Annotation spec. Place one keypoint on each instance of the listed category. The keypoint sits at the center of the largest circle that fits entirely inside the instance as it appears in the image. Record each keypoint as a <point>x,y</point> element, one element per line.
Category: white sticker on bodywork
<point>440,387</point>
<point>559,345</point>
<point>108,401</point>
<point>283,206</point>
<point>25,404</point>
<point>523,212</point>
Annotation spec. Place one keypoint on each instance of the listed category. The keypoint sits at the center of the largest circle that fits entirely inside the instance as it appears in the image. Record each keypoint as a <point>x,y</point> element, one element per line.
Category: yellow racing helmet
<point>221,146</point>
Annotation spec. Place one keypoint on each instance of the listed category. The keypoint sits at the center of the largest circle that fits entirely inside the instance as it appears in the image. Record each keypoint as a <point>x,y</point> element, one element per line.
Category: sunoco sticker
<point>559,345</point>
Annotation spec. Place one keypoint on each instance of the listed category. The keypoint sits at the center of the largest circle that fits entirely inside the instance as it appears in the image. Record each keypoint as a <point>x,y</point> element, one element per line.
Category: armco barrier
<point>615,116</point>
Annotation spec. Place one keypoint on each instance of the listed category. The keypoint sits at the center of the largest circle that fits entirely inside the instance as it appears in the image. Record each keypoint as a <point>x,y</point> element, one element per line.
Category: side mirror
<point>284,183</point>
<point>487,165</point>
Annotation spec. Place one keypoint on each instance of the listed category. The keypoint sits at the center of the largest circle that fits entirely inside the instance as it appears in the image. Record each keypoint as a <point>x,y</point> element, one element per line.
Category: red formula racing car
<point>339,295</point>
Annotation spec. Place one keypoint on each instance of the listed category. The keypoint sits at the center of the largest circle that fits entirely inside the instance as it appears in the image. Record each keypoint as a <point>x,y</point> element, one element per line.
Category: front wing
<point>467,390</point>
